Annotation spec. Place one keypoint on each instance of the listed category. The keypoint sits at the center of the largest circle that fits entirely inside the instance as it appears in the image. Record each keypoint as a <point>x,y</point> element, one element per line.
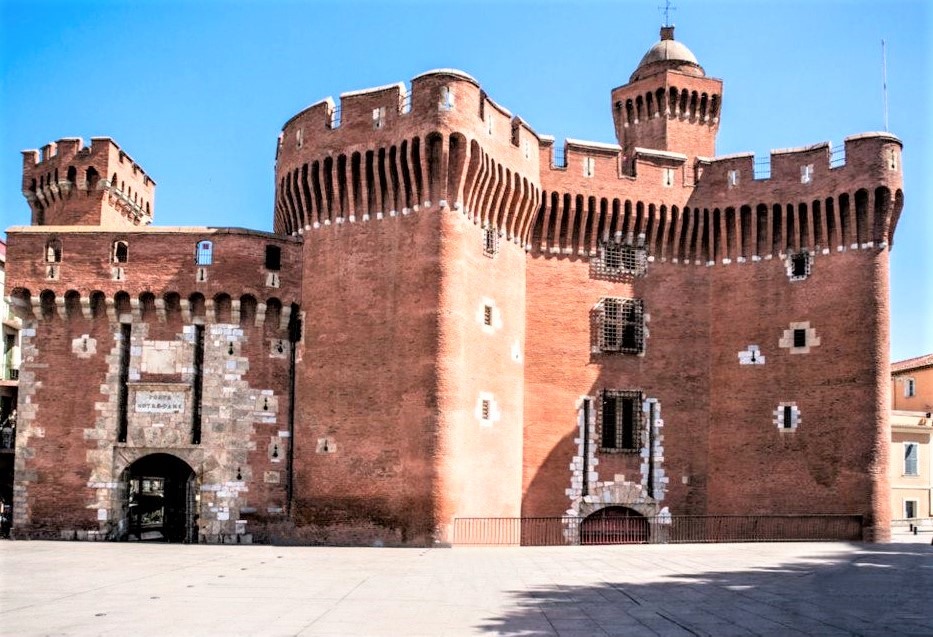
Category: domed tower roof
<point>667,53</point>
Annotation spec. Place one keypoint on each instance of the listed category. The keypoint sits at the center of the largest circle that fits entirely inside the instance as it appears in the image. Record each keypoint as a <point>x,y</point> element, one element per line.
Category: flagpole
<point>884,83</point>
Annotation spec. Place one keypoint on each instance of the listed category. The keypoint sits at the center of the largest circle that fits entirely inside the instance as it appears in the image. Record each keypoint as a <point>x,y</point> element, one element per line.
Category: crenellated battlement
<point>68,183</point>
<point>63,261</point>
<point>814,199</point>
<point>863,160</point>
<point>386,151</point>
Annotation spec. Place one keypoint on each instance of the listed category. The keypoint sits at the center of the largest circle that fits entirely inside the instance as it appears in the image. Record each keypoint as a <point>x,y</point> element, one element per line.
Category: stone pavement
<point>826,589</point>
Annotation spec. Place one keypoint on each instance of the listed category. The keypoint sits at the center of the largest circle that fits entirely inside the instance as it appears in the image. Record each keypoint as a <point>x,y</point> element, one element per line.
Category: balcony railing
<point>11,374</point>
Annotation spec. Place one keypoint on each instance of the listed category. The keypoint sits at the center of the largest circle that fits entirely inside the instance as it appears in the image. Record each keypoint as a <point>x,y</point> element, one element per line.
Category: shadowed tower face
<point>668,104</point>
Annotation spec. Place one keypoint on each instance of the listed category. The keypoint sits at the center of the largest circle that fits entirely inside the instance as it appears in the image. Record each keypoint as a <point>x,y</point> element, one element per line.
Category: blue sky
<point>197,92</point>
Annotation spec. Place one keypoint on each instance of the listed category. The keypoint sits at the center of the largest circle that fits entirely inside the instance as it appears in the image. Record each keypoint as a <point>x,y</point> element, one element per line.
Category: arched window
<point>53,251</point>
<point>91,177</point>
<point>204,253</point>
<point>119,252</point>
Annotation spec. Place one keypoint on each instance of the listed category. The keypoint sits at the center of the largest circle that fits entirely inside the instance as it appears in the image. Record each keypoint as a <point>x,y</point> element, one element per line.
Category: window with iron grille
<point>204,253</point>
<point>490,242</point>
<point>619,260</point>
<point>621,326</point>
<point>620,420</point>
<point>799,265</point>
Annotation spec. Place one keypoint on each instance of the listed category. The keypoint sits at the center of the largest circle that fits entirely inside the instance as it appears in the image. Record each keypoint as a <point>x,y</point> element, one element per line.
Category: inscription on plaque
<point>160,402</point>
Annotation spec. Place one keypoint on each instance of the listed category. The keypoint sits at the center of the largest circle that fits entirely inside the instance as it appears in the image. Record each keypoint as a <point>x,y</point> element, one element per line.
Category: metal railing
<point>685,529</point>
<point>405,103</point>
<point>558,158</point>
<point>762,168</point>
<point>11,374</point>
<point>335,117</point>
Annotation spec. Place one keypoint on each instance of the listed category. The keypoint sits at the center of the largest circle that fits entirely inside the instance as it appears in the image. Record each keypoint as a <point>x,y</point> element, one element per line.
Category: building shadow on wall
<point>879,590</point>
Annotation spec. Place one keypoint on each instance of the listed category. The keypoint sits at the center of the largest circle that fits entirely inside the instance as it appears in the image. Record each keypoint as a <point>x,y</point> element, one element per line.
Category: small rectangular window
<point>806,174</point>
<point>489,123</point>
<point>485,409</point>
<point>800,338</point>
<point>668,177</point>
<point>120,252</point>
<point>273,258</point>
<point>487,315</point>
<point>379,115</point>
<point>910,388</point>
<point>589,166</point>
<point>204,253</point>
<point>910,509</point>
<point>490,242</point>
<point>733,178</point>
<point>526,146</point>
<point>799,265</point>
<point>892,160</point>
<point>446,102</point>
<point>911,459</point>
<point>788,417</point>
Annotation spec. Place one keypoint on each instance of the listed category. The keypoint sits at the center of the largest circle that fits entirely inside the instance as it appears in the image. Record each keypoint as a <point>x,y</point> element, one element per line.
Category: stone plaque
<point>160,402</point>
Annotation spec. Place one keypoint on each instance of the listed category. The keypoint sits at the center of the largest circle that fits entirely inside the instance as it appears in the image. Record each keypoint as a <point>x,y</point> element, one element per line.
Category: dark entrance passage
<point>614,525</point>
<point>162,500</point>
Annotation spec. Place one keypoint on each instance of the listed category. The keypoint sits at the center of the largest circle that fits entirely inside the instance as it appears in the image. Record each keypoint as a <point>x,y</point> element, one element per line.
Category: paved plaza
<point>826,589</point>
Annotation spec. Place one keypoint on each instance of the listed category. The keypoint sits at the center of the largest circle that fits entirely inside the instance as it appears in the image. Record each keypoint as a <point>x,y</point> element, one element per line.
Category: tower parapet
<point>386,151</point>
<point>67,183</point>
<point>669,103</point>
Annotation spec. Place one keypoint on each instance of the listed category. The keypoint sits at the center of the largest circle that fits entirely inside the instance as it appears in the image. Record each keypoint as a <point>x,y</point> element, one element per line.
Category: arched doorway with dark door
<point>614,525</point>
<point>162,500</point>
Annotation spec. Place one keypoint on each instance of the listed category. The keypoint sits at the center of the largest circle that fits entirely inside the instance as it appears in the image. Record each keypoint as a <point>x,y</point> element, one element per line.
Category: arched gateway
<point>161,492</point>
<point>614,525</point>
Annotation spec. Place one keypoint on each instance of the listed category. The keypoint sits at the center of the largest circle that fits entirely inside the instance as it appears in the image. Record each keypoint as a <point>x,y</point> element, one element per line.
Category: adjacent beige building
<point>911,465</point>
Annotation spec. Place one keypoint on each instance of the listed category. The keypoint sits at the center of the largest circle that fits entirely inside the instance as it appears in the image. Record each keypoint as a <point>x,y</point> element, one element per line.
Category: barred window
<point>617,259</point>
<point>620,420</point>
<point>621,326</point>
<point>204,253</point>
<point>490,242</point>
<point>799,265</point>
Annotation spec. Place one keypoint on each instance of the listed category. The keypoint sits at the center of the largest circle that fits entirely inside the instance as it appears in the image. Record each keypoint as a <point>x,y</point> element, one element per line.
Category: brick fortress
<point>455,318</point>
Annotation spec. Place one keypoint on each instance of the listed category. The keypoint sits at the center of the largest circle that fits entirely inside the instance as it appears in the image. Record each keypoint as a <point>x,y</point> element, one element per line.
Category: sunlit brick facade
<point>456,317</point>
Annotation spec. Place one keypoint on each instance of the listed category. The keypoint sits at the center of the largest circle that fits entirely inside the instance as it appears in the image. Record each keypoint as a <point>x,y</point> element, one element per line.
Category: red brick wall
<point>367,377</point>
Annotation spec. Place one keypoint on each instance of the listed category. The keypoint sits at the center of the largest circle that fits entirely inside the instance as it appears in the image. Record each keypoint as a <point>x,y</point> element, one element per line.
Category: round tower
<point>668,104</point>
